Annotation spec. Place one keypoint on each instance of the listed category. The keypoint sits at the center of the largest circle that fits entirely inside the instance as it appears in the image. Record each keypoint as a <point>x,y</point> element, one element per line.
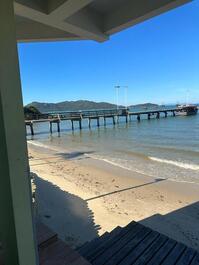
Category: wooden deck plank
<point>151,250</point>
<point>187,257</point>
<point>135,249</point>
<point>136,234</point>
<point>100,242</point>
<point>138,245</point>
<point>174,255</point>
<point>60,254</point>
<point>44,235</point>
<point>113,238</point>
<point>162,252</point>
<point>74,257</point>
<point>115,233</point>
<point>195,260</point>
<point>53,254</point>
<point>79,261</point>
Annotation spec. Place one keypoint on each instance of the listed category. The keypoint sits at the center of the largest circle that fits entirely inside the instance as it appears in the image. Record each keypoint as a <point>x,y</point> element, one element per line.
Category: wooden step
<point>130,240</point>
<point>137,244</point>
<point>98,242</point>
<point>86,248</point>
<point>114,236</point>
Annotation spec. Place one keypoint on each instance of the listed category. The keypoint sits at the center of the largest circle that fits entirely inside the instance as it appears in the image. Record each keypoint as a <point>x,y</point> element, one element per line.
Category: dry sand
<point>81,198</point>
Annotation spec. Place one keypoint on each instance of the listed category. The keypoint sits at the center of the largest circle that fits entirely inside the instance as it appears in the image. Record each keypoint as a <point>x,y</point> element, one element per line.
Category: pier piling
<point>80,124</point>
<point>58,126</point>
<point>30,124</point>
<point>57,121</point>
<point>31,128</point>
<point>72,125</point>
<point>89,123</point>
<point>98,124</point>
<point>104,121</point>
<point>50,127</point>
<point>113,120</point>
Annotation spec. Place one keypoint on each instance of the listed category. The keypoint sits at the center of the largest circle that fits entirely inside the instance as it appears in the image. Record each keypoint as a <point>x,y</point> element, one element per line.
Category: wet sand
<point>81,198</point>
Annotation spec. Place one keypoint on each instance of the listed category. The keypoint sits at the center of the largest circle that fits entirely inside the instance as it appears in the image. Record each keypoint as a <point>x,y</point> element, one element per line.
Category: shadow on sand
<point>73,155</point>
<point>68,215</point>
<point>181,225</point>
<point>61,157</point>
<point>122,190</point>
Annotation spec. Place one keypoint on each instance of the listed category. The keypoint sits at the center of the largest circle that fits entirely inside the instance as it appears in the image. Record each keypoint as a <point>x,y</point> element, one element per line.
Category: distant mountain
<point>145,105</point>
<point>71,106</point>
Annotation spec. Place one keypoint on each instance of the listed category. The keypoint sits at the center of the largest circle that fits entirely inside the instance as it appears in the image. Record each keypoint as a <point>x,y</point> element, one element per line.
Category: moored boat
<point>187,110</point>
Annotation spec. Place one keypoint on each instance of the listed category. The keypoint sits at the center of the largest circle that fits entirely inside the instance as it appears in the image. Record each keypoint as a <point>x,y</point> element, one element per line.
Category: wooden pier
<point>97,116</point>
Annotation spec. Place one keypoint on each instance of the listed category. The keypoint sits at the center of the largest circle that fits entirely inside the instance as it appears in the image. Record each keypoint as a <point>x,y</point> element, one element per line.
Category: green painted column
<point>16,226</point>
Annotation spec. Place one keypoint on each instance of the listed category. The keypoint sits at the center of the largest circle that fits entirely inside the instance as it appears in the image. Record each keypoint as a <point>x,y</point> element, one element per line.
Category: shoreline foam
<point>176,163</point>
<point>122,165</point>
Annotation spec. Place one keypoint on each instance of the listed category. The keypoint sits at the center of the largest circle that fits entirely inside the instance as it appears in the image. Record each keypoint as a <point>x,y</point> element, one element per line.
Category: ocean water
<point>165,148</point>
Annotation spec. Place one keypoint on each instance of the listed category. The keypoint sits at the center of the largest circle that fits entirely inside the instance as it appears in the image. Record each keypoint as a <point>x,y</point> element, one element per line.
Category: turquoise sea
<point>162,148</point>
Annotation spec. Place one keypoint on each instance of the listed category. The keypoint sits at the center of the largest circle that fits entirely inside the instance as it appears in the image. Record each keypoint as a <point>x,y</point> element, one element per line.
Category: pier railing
<point>86,113</point>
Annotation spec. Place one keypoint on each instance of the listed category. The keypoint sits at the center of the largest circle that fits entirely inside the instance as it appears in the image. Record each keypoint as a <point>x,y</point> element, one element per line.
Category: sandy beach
<point>80,198</point>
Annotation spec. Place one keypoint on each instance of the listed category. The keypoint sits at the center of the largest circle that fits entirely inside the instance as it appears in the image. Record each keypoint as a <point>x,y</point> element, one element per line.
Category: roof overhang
<point>39,20</point>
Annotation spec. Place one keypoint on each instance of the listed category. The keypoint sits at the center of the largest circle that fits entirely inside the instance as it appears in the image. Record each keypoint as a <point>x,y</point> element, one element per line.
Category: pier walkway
<point>97,115</point>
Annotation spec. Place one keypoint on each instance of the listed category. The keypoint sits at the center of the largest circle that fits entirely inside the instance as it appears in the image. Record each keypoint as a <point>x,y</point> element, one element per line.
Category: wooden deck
<point>53,251</point>
<point>134,244</point>
<point>138,245</point>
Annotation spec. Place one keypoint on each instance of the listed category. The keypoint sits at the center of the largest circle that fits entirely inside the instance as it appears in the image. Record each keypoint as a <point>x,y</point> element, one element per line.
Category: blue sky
<point>158,60</point>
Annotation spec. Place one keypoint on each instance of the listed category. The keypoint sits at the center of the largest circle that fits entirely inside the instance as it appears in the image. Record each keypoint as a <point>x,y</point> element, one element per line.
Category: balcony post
<point>16,225</point>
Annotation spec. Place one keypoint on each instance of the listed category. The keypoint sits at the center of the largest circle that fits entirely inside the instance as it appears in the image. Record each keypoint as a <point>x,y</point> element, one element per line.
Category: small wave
<point>41,145</point>
<point>120,164</point>
<point>176,150</point>
<point>133,154</point>
<point>110,162</point>
<point>176,163</point>
<point>183,181</point>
